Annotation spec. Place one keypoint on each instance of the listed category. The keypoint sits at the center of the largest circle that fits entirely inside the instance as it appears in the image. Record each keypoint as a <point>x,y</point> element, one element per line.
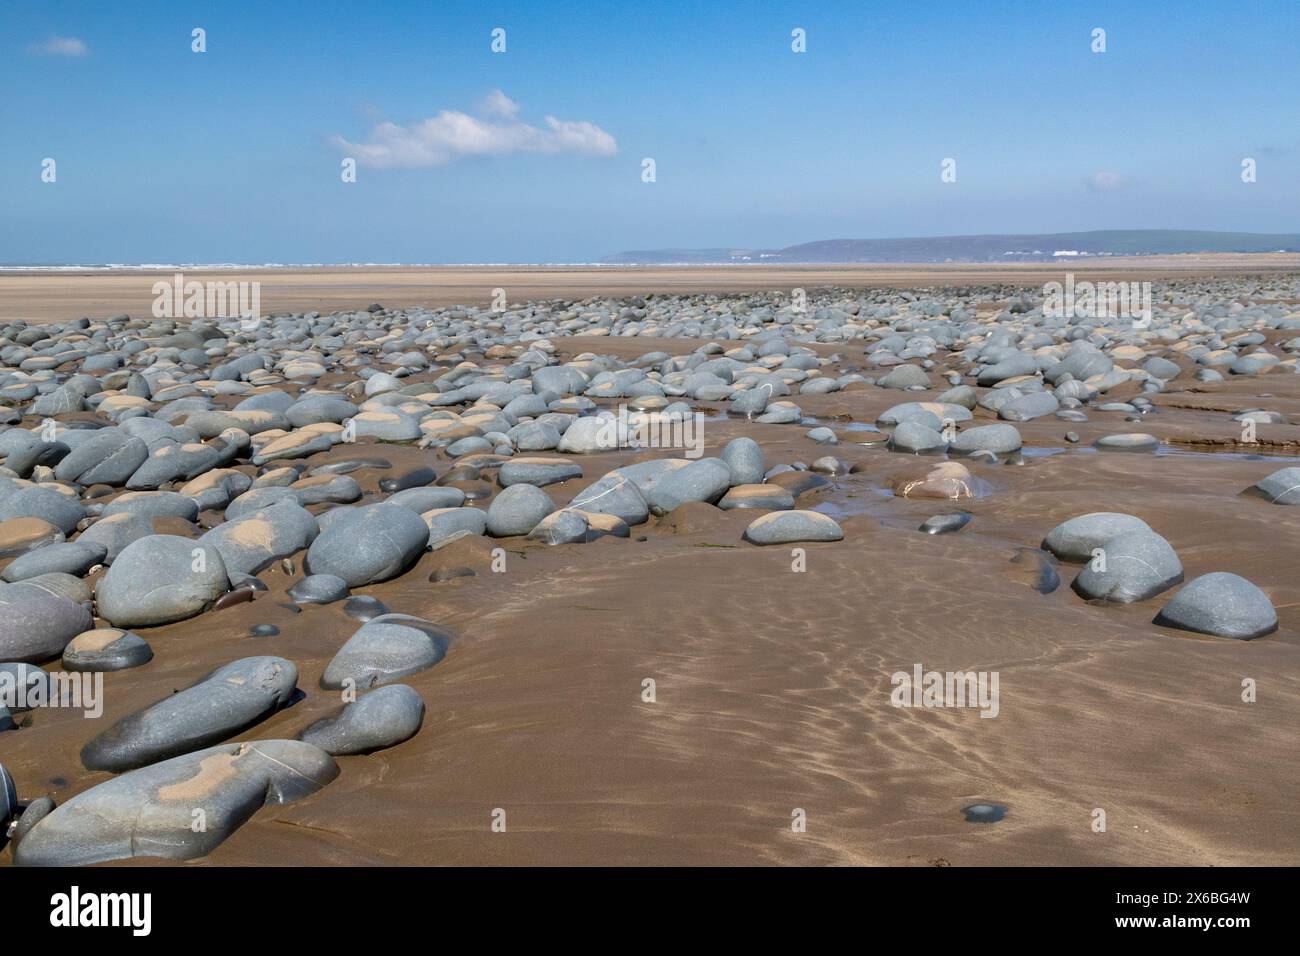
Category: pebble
<point>1076,539</point>
<point>363,607</point>
<point>159,579</point>
<point>786,527</point>
<point>369,544</point>
<point>537,471</point>
<point>36,811</point>
<point>615,494</point>
<point>998,439</point>
<point>517,510</point>
<point>71,557</point>
<point>252,542</point>
<point>1221,604</point>
<point>744,460</point>
<point>984,812</point>
<point>39,628</point>
<point>382,718</point>
<point>385,649</point>
<point>1138,565</point>
<point>1040,569</point>
<point>226,702</point>
<point>106,649</point>
<point>914,438</point>
<point>945,523</point>
<point>415,478</point>
<point>1135,441</point>
<point>147,812</point>
<point>766,497</point>
<point>319,589</point>
<point>1281,488</point>
<point>18,536</point>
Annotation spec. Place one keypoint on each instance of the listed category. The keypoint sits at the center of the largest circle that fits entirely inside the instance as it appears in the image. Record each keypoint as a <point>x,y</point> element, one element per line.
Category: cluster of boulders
<point>152,470</point>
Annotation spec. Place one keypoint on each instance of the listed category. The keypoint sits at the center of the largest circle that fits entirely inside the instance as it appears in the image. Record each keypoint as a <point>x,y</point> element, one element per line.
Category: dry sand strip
<point>44,296</point>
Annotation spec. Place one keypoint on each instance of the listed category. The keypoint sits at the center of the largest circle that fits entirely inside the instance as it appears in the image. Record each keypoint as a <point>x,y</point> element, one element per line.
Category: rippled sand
<point>773,687</point>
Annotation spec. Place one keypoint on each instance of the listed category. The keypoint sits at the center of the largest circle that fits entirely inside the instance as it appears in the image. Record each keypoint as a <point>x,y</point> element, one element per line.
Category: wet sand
<point>773,688</point>
<point>57,296</point>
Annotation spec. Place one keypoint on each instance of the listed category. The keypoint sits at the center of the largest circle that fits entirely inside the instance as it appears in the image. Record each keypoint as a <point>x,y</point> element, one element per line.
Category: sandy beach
<point>45,296</point>
<point>772,687</point>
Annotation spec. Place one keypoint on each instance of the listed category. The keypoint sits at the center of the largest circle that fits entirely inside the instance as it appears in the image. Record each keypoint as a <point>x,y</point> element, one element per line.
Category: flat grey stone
<point>785,527</point>
<point>537,471</point>
<point>945,523</point>
<point>159,579</point>
<point>1027,407</point>
<point>150,812</point>
<point>744,459</point>
<point>115,533</point>
<point>385,649</point>
<point>319,589</point>
<point>1076,539</point>
<point>8,804</point>
<point>766,497</point>
<point>382,718</point>
<point>615,494</point>
<point>62,511</point>
<point>226,702</point>
<point>517,510</point>
<point>70,557</point>
<point>106,649</point>
<point>1281,488</point>
<point>36,811</point>
<point>705,479</point>
<point>913,438</point>
<point>421,500</point>
<point>109,457</point>
<point>37,630</point>
<point>1135,441</point>
<point>369,544</point>
<point>1222,604</point>
<point>998,439</point>
<point>1139,565</point>
<point>445,524</point>
<point>253,542</point>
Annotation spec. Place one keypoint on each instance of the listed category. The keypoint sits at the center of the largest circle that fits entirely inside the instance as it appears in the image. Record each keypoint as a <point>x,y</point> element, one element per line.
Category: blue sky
<point>165,155</point>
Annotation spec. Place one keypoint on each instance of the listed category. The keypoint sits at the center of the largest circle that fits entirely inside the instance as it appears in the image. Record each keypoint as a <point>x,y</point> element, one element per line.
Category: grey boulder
<point>1076,539</point>
<point>37,630</point>
<point>1222,604</point>
<point>1138,565</point>
<point>160,579</point>
<point>385,649</point>
<point>384,717</point>
<point>517,510</point>
<point>784,527</point>
<point>229,700</point>
<point>150,812</point>
<point>369,544</point>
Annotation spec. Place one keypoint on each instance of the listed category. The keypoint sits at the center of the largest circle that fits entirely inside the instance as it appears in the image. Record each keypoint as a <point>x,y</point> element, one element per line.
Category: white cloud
<point>497,103</point>
<point>61,46</point>
<point>1106,181</point>
<point>453,135</point>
